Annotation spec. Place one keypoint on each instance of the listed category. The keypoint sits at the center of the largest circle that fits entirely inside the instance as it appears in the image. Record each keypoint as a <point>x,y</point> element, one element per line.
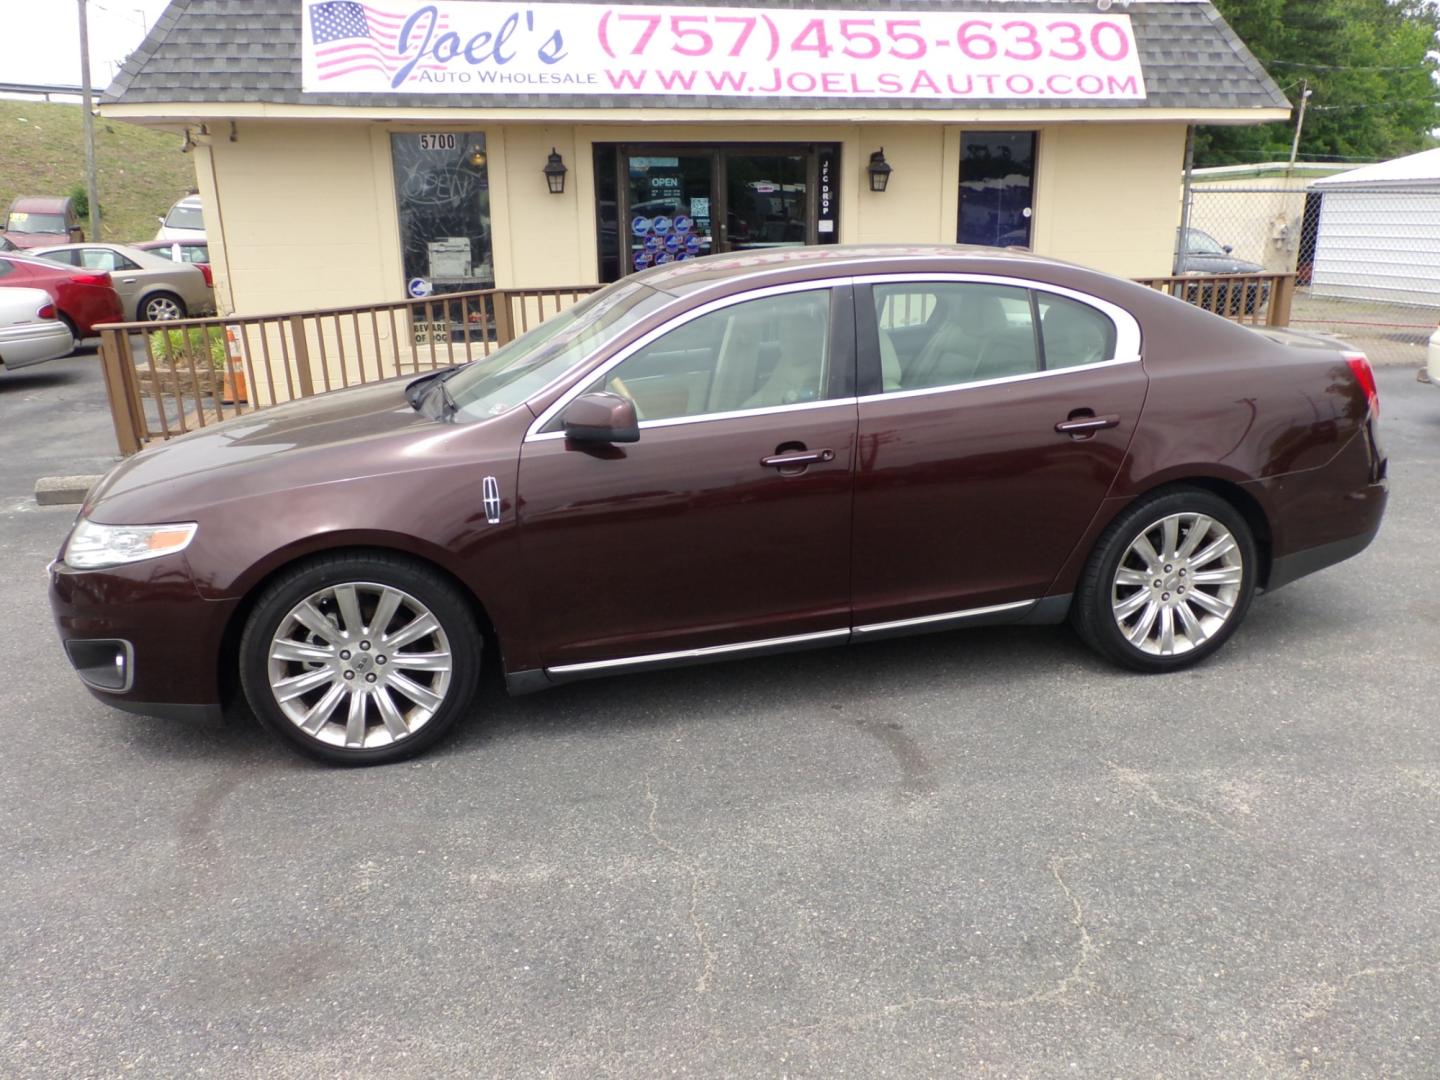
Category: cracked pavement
<point>982,853</point>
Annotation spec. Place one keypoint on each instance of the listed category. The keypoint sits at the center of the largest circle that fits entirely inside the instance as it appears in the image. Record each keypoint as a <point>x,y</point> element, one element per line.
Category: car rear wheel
<point>1169,581</point>
<point>75,339</point>
<point>161,307</point>
<point>360,659</point>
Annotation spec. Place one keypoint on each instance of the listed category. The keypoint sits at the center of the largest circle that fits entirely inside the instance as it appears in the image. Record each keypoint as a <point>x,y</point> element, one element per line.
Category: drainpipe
<point>1185,195</point>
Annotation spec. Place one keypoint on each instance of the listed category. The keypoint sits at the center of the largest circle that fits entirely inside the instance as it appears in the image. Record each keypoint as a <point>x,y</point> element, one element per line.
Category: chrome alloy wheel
<point>1177,584</point>
<point>359,665</point>
<point>161,309</point>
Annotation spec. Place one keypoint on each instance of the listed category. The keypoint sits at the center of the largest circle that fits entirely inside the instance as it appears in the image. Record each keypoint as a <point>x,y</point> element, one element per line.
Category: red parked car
<point>83,297</point>
<point>731,456</point>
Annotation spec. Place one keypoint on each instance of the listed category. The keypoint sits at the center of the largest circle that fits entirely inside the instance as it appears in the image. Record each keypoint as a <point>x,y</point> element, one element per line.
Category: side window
<point>69,258</point>
<point>98,259</point>
<point>750,355</point>
<point>1075,334</point>
<point>948,333</point>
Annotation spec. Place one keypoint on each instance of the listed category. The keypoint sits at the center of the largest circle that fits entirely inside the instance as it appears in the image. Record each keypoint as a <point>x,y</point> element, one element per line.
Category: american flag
<point>350,36</point>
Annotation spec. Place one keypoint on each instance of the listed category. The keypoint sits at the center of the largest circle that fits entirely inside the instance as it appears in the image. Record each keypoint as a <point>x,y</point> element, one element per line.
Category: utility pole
<point>92,184</point>
<point>1300,120</point>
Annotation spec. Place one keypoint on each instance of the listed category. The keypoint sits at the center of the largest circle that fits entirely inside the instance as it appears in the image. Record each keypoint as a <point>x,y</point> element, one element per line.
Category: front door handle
<point>1087,425</point>
<point>803,457</point>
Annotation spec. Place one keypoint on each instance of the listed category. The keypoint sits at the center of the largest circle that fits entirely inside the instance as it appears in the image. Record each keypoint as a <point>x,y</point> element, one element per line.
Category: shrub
<point>170,347</point>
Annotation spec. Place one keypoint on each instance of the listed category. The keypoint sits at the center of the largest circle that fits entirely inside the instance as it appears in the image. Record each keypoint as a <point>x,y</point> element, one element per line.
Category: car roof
<point>39,204</point>
<point>692,274</point>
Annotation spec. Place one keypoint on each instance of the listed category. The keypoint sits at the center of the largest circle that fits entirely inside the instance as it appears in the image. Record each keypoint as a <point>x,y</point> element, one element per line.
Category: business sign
<point>481,47</point>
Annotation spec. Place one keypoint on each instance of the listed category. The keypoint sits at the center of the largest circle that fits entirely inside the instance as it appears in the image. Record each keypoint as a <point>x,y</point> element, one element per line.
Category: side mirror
<point>601,417</point>
<point>1229,248</point>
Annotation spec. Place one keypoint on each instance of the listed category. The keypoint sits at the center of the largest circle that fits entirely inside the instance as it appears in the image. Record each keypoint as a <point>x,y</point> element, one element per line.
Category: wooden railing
<point>165,379</point>
<point>1256,299</point>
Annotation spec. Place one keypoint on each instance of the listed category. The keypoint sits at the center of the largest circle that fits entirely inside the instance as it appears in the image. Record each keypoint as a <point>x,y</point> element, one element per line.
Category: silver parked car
<point>30,329</point>
<point>151,287</point>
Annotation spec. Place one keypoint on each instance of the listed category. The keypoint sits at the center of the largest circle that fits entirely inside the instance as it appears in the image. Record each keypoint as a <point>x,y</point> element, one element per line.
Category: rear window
<point>185,217</point>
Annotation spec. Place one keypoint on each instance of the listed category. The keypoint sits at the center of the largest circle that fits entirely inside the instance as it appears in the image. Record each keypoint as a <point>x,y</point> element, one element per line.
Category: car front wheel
<point>1169,581</point>
<point>360,659</point>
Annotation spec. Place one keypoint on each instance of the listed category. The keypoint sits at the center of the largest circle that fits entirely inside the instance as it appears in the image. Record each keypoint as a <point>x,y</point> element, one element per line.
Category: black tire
<point>161,300</point>
<point>1094,612</point>
<point>370,572</point>
<point>75,339</point>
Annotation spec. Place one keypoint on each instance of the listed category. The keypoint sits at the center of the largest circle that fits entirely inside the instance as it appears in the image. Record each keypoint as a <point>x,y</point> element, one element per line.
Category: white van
<point>186,221</point>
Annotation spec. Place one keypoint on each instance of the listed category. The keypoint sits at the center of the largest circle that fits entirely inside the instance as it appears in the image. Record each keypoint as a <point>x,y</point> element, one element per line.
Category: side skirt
<point>1050,610</point>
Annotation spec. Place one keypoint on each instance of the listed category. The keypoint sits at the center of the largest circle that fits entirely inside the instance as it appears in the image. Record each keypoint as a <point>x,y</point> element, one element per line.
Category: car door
<point>124,274</point>
<point>985,445</point>
<point>726,527</point>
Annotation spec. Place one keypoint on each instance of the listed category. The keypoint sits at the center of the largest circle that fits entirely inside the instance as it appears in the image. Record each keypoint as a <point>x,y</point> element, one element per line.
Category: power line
<point>1339,67</point>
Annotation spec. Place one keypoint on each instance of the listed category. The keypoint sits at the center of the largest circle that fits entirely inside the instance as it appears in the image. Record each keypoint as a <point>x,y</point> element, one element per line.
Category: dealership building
<point>353,153</point>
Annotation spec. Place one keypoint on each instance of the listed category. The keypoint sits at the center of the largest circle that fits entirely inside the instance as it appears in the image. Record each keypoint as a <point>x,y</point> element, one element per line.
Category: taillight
<point>1365,376</point>
<point>209,278</point>
<point>46,312</point>
<point>92,279</point>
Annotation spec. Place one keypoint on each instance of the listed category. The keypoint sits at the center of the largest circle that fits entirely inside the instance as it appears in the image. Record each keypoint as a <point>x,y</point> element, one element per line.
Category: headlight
<point>93,546</point>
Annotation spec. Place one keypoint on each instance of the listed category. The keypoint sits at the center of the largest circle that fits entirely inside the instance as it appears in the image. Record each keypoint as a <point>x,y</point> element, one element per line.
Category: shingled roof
<point>248,51</point>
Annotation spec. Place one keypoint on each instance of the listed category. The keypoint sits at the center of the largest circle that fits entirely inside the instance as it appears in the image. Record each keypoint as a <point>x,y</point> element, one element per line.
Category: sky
<point>50,52</point>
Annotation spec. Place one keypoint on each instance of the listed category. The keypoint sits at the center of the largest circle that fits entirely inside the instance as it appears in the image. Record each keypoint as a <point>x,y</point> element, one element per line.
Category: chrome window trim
<point>535,432</point>
<point>955,388</point>
<point>1127,329</point>
<point>947,616</point>
<point>702,653</point>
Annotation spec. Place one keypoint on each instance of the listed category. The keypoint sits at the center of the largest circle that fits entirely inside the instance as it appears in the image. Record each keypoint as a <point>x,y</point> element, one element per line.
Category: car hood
<point>28,241</point>
<point>326,439</point>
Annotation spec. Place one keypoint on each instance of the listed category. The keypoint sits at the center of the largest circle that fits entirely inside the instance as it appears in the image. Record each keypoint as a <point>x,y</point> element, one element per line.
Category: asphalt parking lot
<point>984,853</point>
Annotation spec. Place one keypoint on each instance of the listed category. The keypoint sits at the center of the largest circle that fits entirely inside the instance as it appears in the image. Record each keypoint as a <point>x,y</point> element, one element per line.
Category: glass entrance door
<point>767,200</point>
<point>669,199</point>
<point>657,204</point>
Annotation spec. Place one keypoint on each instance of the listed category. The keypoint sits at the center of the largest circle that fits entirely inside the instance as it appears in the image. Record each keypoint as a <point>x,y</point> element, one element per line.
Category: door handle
<point>804,457</point>
<point>1087,425</point>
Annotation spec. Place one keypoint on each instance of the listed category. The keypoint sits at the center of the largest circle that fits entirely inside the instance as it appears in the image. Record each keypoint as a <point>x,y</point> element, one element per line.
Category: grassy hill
<point>141,171</point>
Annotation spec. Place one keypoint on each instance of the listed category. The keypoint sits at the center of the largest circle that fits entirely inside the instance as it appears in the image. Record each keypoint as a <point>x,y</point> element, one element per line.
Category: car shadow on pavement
<point>37,378</point>
<point>794,682</point>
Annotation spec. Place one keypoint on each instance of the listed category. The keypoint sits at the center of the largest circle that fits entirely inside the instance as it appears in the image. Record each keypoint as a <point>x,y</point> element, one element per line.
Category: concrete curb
<point>63,490</point>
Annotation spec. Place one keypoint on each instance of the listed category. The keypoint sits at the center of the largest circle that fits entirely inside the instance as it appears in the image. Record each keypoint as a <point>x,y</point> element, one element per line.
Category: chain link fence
<point>1366,258</point>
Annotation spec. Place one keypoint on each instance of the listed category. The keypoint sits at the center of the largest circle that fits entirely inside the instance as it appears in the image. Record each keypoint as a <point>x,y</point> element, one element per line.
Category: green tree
<point>1367,64</point>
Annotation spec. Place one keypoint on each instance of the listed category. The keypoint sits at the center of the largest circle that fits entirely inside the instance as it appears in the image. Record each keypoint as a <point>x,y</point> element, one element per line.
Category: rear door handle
<point>804,457</point>
<point>1087,425</point>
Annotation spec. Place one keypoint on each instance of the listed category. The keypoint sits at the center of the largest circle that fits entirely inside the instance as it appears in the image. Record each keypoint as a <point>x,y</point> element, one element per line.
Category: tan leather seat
<point>799,372</point>
<point>952,353</point>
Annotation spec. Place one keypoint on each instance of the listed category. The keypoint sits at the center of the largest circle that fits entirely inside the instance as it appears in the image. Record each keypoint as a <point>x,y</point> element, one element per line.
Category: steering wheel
<point>617,384</point>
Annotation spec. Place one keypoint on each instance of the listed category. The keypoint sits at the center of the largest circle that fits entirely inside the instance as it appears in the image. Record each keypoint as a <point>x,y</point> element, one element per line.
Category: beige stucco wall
<point>306,208</point>
<point>306,214</point>
<point>1105,195</point>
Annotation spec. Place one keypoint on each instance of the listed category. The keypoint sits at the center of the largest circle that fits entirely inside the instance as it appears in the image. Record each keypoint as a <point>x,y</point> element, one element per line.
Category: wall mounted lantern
<point>555,173</point>
<point>879,170</point>
<point>477,158</point>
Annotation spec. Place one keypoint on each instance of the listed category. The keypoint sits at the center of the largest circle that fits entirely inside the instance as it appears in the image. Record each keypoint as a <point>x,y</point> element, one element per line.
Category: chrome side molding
<point>765,646</point>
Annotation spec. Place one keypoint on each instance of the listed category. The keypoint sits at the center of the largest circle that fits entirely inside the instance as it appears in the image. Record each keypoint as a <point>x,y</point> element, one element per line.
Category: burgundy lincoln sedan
<point>723,458</point>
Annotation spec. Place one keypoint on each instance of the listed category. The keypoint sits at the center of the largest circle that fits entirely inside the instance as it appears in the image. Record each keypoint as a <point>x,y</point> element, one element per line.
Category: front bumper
<point>171,635</point>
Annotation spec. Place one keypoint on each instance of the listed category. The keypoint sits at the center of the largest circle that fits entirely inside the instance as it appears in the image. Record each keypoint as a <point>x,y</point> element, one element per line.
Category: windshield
<point>514,372</point>
<point>1199,243</point>
<point>185,217</point>
<point>36,223</point>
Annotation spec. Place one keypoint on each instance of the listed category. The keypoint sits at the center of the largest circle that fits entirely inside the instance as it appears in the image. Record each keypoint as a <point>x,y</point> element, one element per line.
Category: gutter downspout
<point>1185,197</point>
